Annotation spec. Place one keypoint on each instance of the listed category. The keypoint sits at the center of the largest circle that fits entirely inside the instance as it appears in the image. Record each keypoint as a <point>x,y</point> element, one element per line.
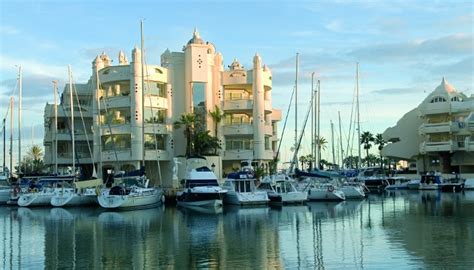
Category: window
<point>199,103</point>
<point>115,116</point>
<point>115,89</point>
<point>438,99</point>
<point>154,115</point>
<point>155,89</point>
<point>267,143</point>
<point>154,142</point>
<point>237,119</point>
<point>116,142</point>
<point>239,144</point>
<point>456,99</point>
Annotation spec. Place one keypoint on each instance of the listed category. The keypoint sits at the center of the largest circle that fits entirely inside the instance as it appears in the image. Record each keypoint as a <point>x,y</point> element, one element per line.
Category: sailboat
<point>133,190</point>
<point>81,192</point>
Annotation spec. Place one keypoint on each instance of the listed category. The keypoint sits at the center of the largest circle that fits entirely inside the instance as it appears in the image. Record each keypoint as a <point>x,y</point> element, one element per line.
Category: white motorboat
<point>325,192</point>
<point>201,189</point>
<point>5,189</point>
<point>280,190</point>
<point>414,184</point>
<point>396,183</point>
<point>430,182</point>
<point>132,192</point>
<point>241,190</point>
<point>353,190</point>
<point>469,184</point>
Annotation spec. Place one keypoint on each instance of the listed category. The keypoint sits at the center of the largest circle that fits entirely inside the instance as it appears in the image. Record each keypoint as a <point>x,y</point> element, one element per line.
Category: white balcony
<point>445,146</point>
<point>115,129</point>
<point>238,105</point>
<point>439,128</point>
<point>116,102</point>
<point>237,154</point>
<point>243,129</point>
<point>237,77</point>
<point>122,155</point>
<point>469,144</point>
<point>269,130</point>
<point>157,155</point>
<point>114,73</point>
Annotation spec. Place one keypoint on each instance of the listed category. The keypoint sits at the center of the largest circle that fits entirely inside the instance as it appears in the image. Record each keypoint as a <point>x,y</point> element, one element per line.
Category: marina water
<point>402,230</point>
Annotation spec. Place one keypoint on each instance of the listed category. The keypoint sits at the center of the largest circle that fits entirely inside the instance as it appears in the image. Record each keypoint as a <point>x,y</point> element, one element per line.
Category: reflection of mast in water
<point>317,243</point>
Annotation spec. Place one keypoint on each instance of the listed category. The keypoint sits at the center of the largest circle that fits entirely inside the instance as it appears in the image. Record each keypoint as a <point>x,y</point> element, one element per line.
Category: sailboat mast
<point>12,102</point>
<point>55,153</point>
<point>340,140</point>
<point>142,45</point>
<point>313,152</point>
<point>318,136</point>
<point>71,106</point>
<point>98,120</point>
<point>4,147</point>
<point>358,116</point>
<point>20,89</point>
<point>296,107</point>
<point>332,144</point>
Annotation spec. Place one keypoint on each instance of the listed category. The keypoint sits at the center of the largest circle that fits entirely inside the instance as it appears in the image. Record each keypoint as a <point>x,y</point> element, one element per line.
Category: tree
<point>187,120</point>
<point>204,143</point>
<point>381,143</point>
<point>303,160</point>
<point>323,163</point>
<point>217,116</point>
<point>350,161</point>
<point>321,142</point>
<point>32,163</point>
<point>366,139</point>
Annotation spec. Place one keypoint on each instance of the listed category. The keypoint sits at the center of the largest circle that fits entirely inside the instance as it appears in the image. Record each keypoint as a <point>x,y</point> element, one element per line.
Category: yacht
<point>398,183</point>
<point>40,194</point>
<point>130,192</point>
<point>353,190</point>
<point>430,182</point>
<point>325,192</point>
<point>5,189</point>
<point>84,193</point>
<point>374,178</point>
<point>280,190</point>
<point>241,189</point>
<point>201,189</point>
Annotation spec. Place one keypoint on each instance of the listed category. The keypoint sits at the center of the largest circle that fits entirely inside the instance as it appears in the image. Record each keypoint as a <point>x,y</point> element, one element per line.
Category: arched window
<point>456,99</point>
<point>438,99</point>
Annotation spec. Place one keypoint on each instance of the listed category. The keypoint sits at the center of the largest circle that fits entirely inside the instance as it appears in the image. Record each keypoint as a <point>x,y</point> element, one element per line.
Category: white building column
<point>258,110</point>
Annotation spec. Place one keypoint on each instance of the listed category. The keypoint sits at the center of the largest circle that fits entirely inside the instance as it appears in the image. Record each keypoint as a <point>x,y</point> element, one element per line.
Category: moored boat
<point>201,189</point>
<point>280,190</point>
<point>241,190</point>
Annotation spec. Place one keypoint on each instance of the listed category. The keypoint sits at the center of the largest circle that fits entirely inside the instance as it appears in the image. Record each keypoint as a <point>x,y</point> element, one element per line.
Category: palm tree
<point>217,116</point>
<point>303,160</point>
<point>203,143</point>
<point>366,138</point>
<point>323,163</point>
<point>36,153</point>
<point>381,143</point>
<point>350,161</point>
<point>187,120</point>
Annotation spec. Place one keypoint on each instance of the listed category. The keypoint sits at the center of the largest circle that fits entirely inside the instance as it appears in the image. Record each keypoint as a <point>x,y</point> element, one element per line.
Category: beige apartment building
<point>128,122</point>
<point>438,134</point>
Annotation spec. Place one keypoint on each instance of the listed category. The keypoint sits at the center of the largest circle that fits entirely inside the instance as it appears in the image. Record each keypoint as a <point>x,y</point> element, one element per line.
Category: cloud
<point>396,91</point>
<point>8,30</point>
<point>462,68</point>
<point>31,66</point>
<point>448,46</point>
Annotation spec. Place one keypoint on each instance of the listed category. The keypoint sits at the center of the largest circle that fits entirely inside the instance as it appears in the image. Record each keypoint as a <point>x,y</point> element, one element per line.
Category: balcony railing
<point>444,146</point>
<point>440,127</point>
<point>238,105</point>
<point>246,129</point>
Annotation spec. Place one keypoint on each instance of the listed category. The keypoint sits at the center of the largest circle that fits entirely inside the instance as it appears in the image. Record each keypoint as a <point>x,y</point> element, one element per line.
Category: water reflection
<point>403,228</point>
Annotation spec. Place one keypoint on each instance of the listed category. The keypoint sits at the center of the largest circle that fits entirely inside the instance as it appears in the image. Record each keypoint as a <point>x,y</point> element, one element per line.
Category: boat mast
<point>20,86</point>
<point>313,151</point>
<point>98,120</point>
<point>296,108</point>
<point>142,45</point>
<point>12,102</point>
<point>358,116</point>
<point>340,140</point>
<point>332,144</point>
<point>4,147</point>
<point>318,141</point>
<point>55,153</point>
<point>72,122</point>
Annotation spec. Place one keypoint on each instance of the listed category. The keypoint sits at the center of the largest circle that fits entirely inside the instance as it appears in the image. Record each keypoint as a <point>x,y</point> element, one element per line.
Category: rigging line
<point>83,123</point>
<point>117,163</point>
<point>11,95</point>
<point>152,121</point>
<point>284,125</point>
<point>350,139</point>
<point>295,155</point>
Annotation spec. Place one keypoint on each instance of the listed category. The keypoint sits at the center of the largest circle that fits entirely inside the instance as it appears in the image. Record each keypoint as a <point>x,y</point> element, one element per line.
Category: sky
<point>404,48</point>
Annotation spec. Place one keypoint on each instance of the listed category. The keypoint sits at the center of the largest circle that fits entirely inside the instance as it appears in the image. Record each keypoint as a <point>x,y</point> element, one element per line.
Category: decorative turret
<point>196,39</point>
<point>236,65</point>
<point>106,59</point>
<point>97,63</point>
<point>257,61</point>
<point>122,58</point>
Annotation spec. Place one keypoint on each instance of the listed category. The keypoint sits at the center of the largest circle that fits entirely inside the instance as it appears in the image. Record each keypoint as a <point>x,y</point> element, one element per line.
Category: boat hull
<point>458,187</point>
<point>131,200</point>
<point>35,199</point>
<point>353,192</point>
<point>295,197</point>
<point>5,194</point>
<point>64,199</point>
<point>246,198</point>
<point>323,194</point>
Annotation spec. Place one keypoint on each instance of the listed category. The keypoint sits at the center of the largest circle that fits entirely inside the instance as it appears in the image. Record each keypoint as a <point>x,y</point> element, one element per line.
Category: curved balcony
<point>268,106</point>
<point>237,77</point>
<point>440,127</point>
<point>156,102</point>
<point>243,129</point>
<point>237,154</point>
<point>114,73</point>
<point>157,128</point>
<point>115,129</point>
<point>157,73</point>
<point>444,146</point>
<point>117,102</point>
<point>121,155</point>
<point>268,130</point>
<point>238,105</point>
<point>157,155</point>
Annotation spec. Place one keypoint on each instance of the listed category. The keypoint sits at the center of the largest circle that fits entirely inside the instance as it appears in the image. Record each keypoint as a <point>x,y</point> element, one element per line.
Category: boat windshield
<point>202,183</point>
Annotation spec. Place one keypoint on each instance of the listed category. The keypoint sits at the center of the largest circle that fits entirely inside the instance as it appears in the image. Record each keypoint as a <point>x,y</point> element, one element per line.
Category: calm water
<point>398,230</point>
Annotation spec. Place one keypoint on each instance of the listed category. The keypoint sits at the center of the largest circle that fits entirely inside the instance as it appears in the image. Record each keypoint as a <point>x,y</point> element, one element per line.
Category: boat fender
<point>330,188</point>
<point>16,190</point>
<point>163,199</point>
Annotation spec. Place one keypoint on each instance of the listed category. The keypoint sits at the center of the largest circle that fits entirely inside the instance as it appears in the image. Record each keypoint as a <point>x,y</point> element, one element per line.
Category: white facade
<point>190,81</point>
<point>438,134</point>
